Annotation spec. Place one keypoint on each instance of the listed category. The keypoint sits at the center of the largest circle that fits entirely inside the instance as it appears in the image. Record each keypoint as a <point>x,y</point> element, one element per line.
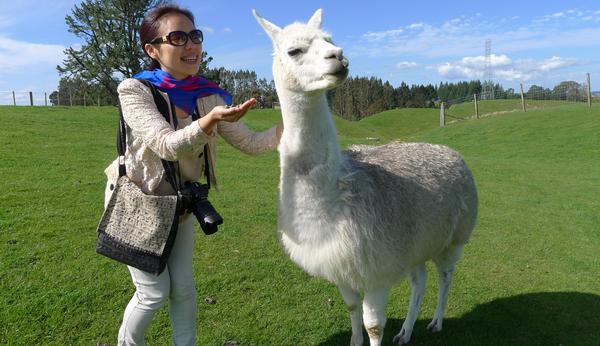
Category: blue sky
<point>419,42</point>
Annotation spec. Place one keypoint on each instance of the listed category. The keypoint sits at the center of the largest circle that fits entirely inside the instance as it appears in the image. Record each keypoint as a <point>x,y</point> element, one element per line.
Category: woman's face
<point>178,61</point>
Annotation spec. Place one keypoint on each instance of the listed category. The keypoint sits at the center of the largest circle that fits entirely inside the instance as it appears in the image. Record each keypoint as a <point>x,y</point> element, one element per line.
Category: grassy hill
<point>380,128</point>
<point>387,126</point>
<point>529,275</point>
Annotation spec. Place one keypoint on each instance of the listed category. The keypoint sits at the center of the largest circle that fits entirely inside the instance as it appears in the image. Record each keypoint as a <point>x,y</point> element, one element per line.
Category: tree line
<point>360,97</point>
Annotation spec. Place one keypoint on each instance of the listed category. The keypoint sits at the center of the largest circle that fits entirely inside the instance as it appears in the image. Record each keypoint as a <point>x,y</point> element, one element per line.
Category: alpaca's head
<point>305,59</point>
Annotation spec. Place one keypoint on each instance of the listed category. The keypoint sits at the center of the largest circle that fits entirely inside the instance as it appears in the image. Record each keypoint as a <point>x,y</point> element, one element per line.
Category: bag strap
<point>196,116</point>
<point>121,142</point>
<point>163,108</point>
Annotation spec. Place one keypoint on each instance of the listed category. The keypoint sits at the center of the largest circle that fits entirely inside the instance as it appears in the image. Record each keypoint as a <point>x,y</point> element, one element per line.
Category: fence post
<point>98,100</point>
<point>589,91</point>
<point>58,98</point>
<point>45,99</point>
<point>14,98</point>
<point>31,98</point>
<point>84,103</point>
<point>70,99</point>
<point>476,106</point>
<point>442,115</point>
<point>523,99</point>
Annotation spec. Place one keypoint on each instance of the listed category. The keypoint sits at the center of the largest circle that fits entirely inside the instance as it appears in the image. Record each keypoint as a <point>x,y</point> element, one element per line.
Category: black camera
<point>194,197</point>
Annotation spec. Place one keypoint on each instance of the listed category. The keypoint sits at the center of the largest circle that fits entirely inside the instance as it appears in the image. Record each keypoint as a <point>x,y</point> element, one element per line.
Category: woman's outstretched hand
<point>232,113</point>
<point>225,113</point>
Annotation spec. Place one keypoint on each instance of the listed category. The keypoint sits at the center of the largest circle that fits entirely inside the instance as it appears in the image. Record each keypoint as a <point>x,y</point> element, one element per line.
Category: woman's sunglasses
<point>180,38</point>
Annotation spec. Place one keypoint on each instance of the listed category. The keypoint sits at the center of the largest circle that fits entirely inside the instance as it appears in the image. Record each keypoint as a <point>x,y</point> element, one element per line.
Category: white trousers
<point>175,284</point>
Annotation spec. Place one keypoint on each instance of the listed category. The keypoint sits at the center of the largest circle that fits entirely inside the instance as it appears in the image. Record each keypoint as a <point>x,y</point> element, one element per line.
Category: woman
<point>169,37</point>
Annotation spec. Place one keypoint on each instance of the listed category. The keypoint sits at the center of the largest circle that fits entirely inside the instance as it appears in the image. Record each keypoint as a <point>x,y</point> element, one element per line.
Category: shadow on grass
<point>547,318</point>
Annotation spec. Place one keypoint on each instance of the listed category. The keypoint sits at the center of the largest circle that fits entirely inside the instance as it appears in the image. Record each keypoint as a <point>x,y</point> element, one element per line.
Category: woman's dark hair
<point>151,23</point>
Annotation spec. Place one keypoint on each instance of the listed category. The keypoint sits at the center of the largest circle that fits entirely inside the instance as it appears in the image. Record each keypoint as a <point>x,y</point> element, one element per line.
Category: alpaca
<point>365,218</point>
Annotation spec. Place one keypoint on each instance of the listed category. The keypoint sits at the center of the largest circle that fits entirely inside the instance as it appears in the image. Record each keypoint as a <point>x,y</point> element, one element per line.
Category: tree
<point>569,90</point>
<point>111,52</point>
<point>388,96</point>
<point>537,92</point>
<point>402,95</point>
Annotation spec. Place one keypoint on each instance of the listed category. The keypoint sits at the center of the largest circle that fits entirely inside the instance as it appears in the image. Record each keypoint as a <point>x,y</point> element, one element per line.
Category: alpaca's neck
<point>310,164</point>
<point>309,138</point>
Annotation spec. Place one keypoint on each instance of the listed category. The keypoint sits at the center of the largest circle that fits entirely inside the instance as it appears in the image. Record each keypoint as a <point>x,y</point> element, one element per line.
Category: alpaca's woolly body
<point>364,218</point>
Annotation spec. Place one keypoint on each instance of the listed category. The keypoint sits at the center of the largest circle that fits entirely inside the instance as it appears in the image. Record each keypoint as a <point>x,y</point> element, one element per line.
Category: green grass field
<point>530,275</point>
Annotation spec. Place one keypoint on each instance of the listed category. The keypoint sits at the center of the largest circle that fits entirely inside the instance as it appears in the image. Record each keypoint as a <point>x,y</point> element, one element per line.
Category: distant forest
<point>355,99</point>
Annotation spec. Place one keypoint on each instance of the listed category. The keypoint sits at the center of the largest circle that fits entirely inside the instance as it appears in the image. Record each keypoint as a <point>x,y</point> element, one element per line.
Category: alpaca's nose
<point>335,53</point>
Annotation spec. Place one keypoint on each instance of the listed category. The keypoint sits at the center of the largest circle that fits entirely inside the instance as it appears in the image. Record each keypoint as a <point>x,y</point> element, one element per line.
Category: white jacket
<point>150,137</point>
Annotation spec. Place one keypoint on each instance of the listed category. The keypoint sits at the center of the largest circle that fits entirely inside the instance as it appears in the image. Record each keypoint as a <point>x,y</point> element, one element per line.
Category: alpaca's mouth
<point>341,73</point>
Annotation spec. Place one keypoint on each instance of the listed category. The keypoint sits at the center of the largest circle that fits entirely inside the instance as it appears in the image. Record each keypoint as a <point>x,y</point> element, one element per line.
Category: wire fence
<point>29,98</point>
<point>529,97</point>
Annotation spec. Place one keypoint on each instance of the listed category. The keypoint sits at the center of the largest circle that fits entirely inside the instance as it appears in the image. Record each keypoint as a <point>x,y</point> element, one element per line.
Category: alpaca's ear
<point>271,29</point>
<point>315,20</point>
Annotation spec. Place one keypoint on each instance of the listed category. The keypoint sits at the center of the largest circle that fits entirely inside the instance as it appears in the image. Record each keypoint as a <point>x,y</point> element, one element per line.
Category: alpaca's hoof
<point>402,338</point>
<point>435,325</point>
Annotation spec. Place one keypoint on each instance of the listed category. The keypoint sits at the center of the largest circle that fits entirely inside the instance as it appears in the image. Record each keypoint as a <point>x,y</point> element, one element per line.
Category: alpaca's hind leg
<point>418,279</point>
<point>445,266</point>
<point>352,300</point>
<point>374,304</point>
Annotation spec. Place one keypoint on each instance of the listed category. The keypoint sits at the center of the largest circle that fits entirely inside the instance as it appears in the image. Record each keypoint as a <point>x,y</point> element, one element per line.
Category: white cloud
<point>457,71</point>
<point>455,25</point>
<point>556,63</point>
<point>465,36</point>
<point>503,67</point>
<point>479,61</point>
<point>20,55</point>
<point>379,36</point>
<point>405,65</point>
<point>569,16</point>
<point>207,29</point>
<point>227,30</point>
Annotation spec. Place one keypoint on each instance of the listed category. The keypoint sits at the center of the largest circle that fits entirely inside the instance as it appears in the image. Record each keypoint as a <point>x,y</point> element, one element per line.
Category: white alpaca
<point>365,218</point>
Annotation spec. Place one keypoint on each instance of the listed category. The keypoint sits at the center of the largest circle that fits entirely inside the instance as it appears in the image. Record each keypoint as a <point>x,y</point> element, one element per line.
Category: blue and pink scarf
<point>185,92</point>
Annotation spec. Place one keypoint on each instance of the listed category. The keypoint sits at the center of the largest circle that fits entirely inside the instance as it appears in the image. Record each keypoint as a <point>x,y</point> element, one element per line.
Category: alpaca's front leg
<point>374,304</point>
<point>352,300</point>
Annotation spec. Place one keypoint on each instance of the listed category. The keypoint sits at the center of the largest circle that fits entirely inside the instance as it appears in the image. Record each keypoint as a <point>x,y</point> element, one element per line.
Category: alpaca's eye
<point>294,52</point>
